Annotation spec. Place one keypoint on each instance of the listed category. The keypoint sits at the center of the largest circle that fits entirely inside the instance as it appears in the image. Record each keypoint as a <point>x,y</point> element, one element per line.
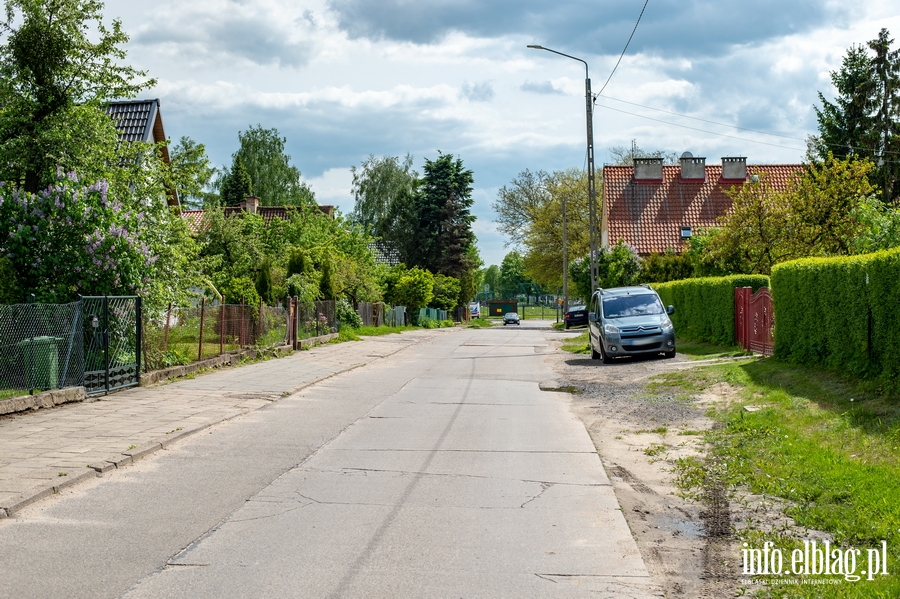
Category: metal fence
<point>179,335</point>
<point>41,347</point>
<point>111,327</point>
<point>432,314</point>
<point>312,319</point>
<point>395,317</point>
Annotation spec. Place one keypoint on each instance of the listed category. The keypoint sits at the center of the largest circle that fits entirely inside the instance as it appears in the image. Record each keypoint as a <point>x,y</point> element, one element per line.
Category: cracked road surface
<point>440,471</point>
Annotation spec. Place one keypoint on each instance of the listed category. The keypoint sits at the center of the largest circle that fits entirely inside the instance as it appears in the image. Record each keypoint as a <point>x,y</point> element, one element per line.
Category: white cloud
<point>474,90</point>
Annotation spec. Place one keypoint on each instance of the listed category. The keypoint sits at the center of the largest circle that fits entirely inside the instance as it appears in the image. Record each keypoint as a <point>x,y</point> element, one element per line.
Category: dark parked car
<point>629,321</point>
<point>510,318</point>
<point>576,316</point>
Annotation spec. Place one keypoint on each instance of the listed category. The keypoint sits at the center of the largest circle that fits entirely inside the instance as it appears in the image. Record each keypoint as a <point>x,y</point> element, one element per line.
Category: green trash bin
<point>40,358</point>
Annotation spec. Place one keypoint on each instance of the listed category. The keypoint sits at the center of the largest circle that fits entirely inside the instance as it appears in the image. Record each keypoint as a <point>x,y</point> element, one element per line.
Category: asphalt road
<point>440,471</point>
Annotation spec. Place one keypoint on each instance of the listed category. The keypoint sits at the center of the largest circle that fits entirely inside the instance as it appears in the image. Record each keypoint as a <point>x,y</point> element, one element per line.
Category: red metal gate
<point>754,320</point>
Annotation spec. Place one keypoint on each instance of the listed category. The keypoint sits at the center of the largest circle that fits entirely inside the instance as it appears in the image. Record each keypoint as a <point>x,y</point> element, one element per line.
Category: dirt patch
<point>687,543</point>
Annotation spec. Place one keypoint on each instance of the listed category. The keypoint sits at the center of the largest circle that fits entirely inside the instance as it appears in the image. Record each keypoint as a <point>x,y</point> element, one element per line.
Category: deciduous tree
<point>58,64</point>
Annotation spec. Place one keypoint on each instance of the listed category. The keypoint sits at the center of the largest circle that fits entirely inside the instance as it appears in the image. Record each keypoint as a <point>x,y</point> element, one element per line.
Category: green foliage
<point>76,239</point>
<point>491,278</point>
<point>668,266</point>
<point>192,173</point>
<point>236,184</point>
<point>881,227</point>
<point>59,64</point>
<point>442,204</point>
<point>840,313</point>
<point>566,191</point>
<point>275,180</point>
<point>326,282</point>
<point>413,289</point>
<point>704,307</point>
<point>512,275</point>
<point>379,188</point>
<point>10,293</point>
<point>239,289</point>
<point>617,266</point>
<point>862,120</point>
<point>264,282</point>
<point>347,315</point>
<point>304,287</point>
<point>445,293</point>
<point>816,214</point>
<point>299,262</point>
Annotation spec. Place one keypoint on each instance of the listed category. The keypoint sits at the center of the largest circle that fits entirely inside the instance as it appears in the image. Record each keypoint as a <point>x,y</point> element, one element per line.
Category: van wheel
<point>604,356</point>
<point>670,354</point>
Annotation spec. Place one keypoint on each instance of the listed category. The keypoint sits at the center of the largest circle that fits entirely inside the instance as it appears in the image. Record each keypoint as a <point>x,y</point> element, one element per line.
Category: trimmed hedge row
<point>841,313</point>
<point>704,307</point>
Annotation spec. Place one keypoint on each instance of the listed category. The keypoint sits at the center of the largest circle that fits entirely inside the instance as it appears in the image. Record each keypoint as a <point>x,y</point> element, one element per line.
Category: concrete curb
<point>45,399</point>
<point>130,456</point>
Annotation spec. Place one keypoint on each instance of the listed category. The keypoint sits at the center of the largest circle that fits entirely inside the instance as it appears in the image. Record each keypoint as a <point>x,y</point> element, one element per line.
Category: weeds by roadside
<point>578,345</point>
<point>822,448</point>
<point>480,323</point>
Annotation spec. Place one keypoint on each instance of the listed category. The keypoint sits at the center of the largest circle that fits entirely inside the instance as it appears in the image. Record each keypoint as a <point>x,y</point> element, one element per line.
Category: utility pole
<point>592,197</point>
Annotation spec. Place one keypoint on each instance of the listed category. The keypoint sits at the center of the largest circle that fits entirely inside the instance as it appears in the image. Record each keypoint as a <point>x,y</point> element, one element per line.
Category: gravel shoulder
<point>686,543</point>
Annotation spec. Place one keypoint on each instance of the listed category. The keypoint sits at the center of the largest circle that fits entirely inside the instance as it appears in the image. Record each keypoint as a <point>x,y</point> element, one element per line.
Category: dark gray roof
<point>140,120</point>
<point>136,119</point>
<point>385,253</point>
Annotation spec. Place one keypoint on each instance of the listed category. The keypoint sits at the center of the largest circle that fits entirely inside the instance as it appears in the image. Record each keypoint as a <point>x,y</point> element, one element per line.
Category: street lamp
<point>592,202</point>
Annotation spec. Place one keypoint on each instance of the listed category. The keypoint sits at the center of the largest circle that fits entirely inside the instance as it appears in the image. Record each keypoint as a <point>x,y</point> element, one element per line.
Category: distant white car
<point>511,318</point>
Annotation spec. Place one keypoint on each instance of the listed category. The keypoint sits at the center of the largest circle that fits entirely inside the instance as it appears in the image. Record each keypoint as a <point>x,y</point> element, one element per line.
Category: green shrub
<point>240,288</point>
<point>704,307</point>
<point>9,285</point>
<point>841,313</point>
<point>347,315</point>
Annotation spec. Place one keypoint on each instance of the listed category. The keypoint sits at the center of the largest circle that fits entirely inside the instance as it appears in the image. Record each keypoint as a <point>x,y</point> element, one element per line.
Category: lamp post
<point>592,202</point>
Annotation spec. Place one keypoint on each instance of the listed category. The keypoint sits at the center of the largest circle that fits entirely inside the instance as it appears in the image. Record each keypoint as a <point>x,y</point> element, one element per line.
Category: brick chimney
<point>250,204</point>
<point>734,168</point>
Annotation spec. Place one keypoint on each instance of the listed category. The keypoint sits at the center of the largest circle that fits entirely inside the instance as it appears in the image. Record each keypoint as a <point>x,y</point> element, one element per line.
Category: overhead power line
<point>699,130</point>
<point>623,49</point>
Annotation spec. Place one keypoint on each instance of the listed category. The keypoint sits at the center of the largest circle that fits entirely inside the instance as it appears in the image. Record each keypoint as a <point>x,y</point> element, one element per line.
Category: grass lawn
<point>578,345</point>
<point>350,334</point>
<point>821,444</point>
<point>7,393</point>
<point>706,351</point>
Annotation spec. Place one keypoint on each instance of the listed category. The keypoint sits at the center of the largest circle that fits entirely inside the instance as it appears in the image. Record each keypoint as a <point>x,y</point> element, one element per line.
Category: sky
<point>345,79</point>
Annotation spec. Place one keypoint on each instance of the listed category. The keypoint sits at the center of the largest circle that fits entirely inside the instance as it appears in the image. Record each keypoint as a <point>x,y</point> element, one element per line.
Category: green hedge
<point>704,307</point>
<point>841,313</point>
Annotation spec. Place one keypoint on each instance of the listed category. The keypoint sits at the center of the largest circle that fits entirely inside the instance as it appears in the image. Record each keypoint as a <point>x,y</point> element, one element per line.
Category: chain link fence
<point>316,318</point>
<point>41,347</point>
<point>180,335</point>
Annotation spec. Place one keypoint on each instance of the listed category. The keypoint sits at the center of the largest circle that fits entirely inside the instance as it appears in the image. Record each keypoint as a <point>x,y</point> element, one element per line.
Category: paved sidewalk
<point>47,450</point>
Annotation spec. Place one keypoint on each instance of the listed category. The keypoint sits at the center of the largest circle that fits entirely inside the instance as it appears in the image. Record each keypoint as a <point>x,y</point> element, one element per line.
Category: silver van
<point>629,321</point>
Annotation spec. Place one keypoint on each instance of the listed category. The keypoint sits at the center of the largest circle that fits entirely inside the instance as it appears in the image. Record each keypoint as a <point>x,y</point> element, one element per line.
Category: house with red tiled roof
<point>655,207</point>
<point>194,218</point>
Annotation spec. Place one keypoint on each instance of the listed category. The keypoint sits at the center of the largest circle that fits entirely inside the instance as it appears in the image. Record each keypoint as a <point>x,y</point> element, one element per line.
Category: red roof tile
<point>194,218</point>
<point>649,214</point>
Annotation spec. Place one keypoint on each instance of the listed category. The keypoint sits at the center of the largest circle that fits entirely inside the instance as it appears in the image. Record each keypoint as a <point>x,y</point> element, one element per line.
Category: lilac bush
<point>73,238</point>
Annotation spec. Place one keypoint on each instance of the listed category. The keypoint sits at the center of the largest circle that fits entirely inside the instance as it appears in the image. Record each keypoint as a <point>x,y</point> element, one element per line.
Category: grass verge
<point>706,351</point>
<point>480,323</point>
<point>578,345</point>
<point>821,445</point>
<point>350,334</point>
